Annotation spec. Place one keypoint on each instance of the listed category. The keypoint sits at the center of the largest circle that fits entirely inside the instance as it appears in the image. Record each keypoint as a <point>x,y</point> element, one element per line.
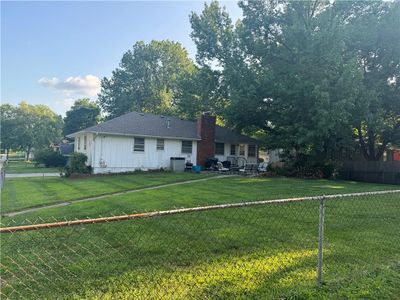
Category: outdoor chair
<point>221,167</point>
<point>246,169</point>
<point>262,167</point>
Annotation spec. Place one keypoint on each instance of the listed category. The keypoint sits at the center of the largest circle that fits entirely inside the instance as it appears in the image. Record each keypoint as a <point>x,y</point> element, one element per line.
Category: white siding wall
<point>89,151</point>
<point>112,154</point>
<point>227,152</point>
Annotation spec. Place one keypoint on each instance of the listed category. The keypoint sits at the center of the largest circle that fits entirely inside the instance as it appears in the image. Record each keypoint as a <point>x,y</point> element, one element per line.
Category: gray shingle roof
<point>146,124</point>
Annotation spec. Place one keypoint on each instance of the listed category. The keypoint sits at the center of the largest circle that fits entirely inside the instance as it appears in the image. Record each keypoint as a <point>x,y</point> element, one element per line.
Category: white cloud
<point>88,85</point>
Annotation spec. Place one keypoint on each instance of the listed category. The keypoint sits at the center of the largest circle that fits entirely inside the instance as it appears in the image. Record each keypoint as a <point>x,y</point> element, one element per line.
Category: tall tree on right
<point>315,76</point>
<point>285,73</point>
<point>374,36</point>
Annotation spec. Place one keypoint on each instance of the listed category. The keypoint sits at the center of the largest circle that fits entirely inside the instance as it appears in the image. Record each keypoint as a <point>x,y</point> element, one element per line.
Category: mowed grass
<point>21,193</point>
<point>213,191</point>
<point>21,166</point>
<point>267,252</point>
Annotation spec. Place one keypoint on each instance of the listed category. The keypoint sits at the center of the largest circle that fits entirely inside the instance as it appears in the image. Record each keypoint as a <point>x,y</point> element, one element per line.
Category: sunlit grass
<point>230,276</point>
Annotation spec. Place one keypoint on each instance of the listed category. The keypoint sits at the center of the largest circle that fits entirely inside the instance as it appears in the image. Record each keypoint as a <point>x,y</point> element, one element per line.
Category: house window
<point>219,149</point>
<point>160,144</point>
<point>233,150</point>
<point>84,142</point>
<point>139,145</point>
<point>79,143</point>
<point>252,151</point>
<point>186,146</point>
<point>241,150</point>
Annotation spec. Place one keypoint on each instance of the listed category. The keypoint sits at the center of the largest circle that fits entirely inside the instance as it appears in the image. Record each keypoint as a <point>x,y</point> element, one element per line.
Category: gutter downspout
<point>94,160</point>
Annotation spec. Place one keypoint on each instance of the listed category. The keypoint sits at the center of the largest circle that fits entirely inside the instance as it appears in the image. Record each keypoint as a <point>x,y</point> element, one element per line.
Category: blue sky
<point>55,52</point>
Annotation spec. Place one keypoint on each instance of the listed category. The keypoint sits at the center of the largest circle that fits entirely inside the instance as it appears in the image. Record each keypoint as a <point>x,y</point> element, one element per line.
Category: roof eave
<point>137,135</point>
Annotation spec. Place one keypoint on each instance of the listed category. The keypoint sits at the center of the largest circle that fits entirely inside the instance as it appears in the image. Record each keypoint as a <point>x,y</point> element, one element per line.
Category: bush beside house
<point>77,165</point>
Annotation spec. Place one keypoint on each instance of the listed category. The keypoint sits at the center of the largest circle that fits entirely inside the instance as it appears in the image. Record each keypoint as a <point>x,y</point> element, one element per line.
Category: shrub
<point>77,165</point>
<point>305,167</point>
<point>49,158</point>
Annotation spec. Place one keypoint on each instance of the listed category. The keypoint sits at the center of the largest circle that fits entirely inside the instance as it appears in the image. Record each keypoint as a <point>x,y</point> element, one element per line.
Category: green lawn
<point>20,193</point>
<point>267,252</point>
<point>20,166</point>
<point>264,252</point>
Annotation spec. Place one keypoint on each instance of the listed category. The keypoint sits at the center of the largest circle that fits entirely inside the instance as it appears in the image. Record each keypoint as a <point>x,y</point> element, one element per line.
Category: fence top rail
<point>185,210</point>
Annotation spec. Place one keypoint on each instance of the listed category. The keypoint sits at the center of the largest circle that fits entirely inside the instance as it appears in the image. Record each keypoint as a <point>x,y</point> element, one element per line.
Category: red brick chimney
<point>206,131</point>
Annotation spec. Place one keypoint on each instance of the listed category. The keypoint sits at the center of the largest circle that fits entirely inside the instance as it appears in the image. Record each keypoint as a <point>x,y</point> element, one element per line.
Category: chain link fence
<point>310,247</point>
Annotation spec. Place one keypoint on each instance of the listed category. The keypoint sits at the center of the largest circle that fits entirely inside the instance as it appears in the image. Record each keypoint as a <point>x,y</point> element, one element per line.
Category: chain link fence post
<point>320,240</point>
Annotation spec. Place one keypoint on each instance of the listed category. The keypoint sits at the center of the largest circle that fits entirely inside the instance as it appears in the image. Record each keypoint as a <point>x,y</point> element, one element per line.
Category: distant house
<point>65,147</point>
<point>142,140</point>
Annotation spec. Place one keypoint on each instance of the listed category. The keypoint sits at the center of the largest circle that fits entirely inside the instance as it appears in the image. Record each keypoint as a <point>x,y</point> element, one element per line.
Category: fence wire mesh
<point>263,251</point>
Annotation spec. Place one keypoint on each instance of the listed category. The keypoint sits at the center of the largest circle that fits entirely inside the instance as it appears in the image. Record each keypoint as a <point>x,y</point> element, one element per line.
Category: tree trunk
<point>28,152</point>
<point>368,149</point>
<point>7,153</point>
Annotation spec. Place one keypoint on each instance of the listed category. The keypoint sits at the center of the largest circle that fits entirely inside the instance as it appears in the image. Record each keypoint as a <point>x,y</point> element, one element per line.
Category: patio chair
<point>221,167</point>
<point>246,169</point>
<point>262,167</point>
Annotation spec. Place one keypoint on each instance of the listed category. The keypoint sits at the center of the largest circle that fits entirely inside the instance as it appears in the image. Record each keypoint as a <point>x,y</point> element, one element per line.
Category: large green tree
<point>32,126</point>
<point>84,113</point>
<point>374,36</point>
<point>295,70</point>
<point>9,124</point>
<point>146,79</point>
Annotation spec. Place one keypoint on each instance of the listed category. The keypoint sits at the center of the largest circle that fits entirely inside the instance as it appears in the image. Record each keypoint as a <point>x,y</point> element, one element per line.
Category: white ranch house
<point>147,141</point>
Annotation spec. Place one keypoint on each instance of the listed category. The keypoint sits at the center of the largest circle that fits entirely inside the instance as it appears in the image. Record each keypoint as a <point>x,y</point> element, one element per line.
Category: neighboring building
<point>141,140</point>
<point>391,154</point>
<point>64,147</point>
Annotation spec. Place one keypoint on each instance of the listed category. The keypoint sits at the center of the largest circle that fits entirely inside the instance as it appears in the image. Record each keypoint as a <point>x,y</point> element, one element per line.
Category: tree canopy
<point>315,76</point>
<point>146,79</point>
<point>26,126</point>
<point>319,77</point>
<point>84,113</point>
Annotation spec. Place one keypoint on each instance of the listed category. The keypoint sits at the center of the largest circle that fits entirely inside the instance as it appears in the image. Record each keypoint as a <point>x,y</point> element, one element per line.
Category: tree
<point>27,126</point>
<point>284,70</point>
<point>82,114</point>
<point>199,92</point>
<point>374,31</point>
<point>146,79</point>
<point>8,123</point>
<point>38,126</point>
<point>307,72</point>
